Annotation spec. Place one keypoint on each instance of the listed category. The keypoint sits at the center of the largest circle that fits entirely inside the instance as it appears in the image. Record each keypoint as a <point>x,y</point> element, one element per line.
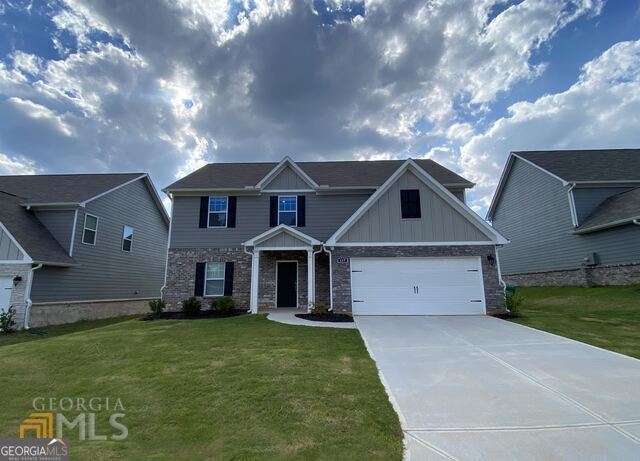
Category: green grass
<point>237,388</point>
<point>607,317</point>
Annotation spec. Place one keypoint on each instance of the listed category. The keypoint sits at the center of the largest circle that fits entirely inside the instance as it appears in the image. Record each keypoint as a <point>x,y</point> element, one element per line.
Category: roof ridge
<point>67,174</point>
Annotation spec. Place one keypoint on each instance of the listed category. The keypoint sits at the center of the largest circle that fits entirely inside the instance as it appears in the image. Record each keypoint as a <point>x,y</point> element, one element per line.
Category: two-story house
<point>78,247</point>
<point>572,217</point>
<point>373,237</point>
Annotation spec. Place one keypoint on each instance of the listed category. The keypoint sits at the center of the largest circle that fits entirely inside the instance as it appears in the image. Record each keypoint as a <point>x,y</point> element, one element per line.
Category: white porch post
<point>311,283</point>
<point>255,274</point>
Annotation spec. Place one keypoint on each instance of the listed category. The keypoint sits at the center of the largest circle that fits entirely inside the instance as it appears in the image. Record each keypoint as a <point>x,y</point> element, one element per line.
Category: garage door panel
<point>445,286</point>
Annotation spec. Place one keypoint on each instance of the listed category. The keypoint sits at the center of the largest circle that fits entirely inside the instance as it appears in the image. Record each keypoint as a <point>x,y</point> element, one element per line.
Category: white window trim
<point>226,212</point>
<point>224,277</point>
<point>296,210</point>
<point>133,231</point>
<point>85,228</point>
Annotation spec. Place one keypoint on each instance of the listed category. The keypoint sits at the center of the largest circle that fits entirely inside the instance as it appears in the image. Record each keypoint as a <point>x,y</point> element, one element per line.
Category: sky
<point>118,86</point>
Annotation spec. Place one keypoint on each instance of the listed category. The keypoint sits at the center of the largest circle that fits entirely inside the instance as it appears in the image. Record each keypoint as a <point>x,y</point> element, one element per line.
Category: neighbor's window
<point>90,229</point>
<point>218,207</point>
<point>127,238</point>
<point>288,210</point>
<point>410,203</point>
<point>214,279</point>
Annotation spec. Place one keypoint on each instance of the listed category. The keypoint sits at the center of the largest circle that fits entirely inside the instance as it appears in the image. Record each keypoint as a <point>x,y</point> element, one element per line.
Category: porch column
<point>311,282</point>
<point>255,274</point>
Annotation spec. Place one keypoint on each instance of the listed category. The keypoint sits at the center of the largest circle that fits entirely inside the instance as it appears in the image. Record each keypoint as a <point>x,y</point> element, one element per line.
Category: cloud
<point>12,165</point>
<point>601,110</point>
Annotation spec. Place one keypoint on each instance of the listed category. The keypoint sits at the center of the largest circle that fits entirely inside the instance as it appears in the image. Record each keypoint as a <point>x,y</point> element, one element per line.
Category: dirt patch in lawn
<point>331,317</point>
<point>176,315</point>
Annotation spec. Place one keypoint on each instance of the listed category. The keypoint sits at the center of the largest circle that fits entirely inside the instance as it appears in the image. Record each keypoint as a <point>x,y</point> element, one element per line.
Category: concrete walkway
<point>289,317</point>
<point>479,388</point>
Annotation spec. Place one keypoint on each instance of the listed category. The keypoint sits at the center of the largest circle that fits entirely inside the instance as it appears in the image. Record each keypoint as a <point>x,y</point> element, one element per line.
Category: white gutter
<point>27,293</point>
<point>636,222</point>
<point>324,248</point>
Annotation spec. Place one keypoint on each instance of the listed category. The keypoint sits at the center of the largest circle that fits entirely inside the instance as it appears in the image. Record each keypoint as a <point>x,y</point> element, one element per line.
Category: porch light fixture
<point>17,279</point>
<point>492,260</point>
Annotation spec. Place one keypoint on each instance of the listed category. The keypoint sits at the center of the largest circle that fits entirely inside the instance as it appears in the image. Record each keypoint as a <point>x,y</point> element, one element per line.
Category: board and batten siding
<point>9,251</point>
<point>104,271</point>
<point>324,215</point>
<point>59,223</point>
<point>588,199</point>
<point>439,221</point>
<point>287,179</point>
<point>534,214</point>
<point>282,240</point>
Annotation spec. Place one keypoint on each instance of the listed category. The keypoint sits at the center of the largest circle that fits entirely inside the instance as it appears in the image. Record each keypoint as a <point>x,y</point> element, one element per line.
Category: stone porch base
<point>621,274</point>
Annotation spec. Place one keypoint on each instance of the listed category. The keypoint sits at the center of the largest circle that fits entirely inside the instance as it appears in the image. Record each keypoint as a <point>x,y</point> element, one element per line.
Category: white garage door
<point>417,286</point>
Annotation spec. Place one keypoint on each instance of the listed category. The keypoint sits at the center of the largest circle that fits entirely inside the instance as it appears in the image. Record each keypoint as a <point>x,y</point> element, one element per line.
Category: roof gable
<point>287,173</point>
<point>439,191</point>
<point>292,237</point>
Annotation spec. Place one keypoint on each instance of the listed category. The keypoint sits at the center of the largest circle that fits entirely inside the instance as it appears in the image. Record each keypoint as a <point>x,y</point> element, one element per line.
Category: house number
<point>343,260</point>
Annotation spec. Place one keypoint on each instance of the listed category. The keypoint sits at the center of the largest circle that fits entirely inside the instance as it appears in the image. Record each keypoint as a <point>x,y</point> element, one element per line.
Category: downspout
<point>502,283</point>
<point>27,293</point>
<point>324,248</point>
<point>166,261</point>
<point>572,205</point>
<point>636,222</point>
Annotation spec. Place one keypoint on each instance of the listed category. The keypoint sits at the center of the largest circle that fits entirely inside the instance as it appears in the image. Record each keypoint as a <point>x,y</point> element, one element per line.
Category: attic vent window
<point>410,203</point>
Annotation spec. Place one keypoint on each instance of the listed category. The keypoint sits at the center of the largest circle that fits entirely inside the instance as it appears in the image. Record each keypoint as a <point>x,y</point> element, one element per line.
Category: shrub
<point>157,306</point>
<point>513,302</point>
<point>191,307</point>
<point>319,309</point>
<point>224,304</point>
<point>6,320</point>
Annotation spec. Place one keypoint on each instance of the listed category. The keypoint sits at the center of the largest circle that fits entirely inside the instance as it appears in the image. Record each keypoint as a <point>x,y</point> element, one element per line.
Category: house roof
<point>588,165</point>
<point>617,210</point>
<point>365,174</point>
<point>36,240</point>
<point>63,188</point>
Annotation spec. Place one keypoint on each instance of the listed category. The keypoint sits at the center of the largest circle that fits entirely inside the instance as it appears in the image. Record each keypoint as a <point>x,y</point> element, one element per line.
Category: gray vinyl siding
<point>439,221</point>
<point>59,223</point>
<point>588,199</point>
<point>324,215</point>
<point>534,213</point>
<point>459,193</point>
<point>9,251</point>
<point>287,179</point>
<point>281,240</point>
<point>104,271</point>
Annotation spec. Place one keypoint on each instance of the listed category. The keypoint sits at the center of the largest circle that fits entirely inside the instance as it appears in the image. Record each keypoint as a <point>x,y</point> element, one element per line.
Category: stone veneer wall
<point>623,274</point>
<point>60,313</point>
<point>342,272</point>
<point>17,293</point>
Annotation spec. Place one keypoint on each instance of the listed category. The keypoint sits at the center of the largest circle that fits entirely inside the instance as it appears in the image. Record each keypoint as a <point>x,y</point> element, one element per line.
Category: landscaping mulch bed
<point>206,314</point>
<point>331,317</point>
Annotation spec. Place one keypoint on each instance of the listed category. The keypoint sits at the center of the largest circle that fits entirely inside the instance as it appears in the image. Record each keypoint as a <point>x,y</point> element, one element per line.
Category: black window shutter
<point>302,210</point>
<point>231,212</point>
<point>204,212</point>
<point>273,214</point>
<point>199,288</point>
<point>410,203</point>
<point>228,278</point>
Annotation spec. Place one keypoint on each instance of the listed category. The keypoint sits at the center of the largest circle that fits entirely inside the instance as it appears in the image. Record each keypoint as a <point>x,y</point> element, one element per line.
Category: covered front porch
<point>289,270</point>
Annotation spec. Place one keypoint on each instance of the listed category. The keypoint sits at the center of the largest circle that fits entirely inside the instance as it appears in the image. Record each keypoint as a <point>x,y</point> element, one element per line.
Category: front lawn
<point>237,388</point>
<point>607,317</point>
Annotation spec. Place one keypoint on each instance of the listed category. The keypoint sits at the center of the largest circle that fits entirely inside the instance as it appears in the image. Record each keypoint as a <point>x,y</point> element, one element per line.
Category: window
<point>288,210</point>
<point>410,203</point>
<point>90,229</point>
<point>127,238</point>
<point>218,208</point>
<point>214,279</point>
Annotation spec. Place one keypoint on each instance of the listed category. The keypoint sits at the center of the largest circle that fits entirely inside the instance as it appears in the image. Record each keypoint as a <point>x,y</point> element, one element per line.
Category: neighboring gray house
<point>80,246</point>
<point>378,237</point>
<point>571,216</point>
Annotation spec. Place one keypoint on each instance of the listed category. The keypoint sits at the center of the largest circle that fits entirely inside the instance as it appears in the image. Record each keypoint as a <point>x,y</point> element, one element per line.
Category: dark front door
<point>287,289</point>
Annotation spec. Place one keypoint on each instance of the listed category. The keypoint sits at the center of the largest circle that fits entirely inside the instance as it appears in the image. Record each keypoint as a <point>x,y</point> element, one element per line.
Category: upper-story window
<point>410,203</point>
<point>288,210</point>
<point>127,238</point>
<point>218,211</point>
<point>90,230</point>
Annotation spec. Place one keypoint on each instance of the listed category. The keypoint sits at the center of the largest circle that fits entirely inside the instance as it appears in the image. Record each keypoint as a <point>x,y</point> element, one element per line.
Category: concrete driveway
<point>479,388</point>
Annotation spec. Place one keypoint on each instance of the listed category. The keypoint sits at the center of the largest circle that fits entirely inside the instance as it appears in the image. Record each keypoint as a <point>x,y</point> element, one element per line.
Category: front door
<point>6,286</point>
<point>287,284</point>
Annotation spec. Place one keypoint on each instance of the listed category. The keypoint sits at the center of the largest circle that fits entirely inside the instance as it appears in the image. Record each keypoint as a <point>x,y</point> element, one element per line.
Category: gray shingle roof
<point>619,209</point>
<point>64,188</point>
<point>588,165</point>
<point>333,174</point>
<point>30,232</point>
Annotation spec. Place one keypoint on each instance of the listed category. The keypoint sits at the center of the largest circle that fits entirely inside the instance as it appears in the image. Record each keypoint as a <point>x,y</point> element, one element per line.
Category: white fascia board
<point>280,166</point>
<point>501,183</point>
<point>25,256</point>
<point>279,229</point>
<point>411,244</point>
<point>438,188</point>
<point>608,225</point>
<point>84,203</point>
<point>564,182</point>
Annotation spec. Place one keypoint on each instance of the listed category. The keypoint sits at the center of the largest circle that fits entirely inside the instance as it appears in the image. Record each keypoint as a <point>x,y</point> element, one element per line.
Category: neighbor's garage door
<point>417,286</point>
